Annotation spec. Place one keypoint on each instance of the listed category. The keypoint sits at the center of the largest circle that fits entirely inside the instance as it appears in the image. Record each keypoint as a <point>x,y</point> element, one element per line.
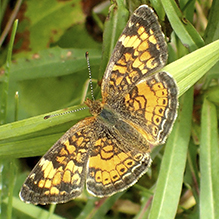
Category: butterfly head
<point>95,106</point>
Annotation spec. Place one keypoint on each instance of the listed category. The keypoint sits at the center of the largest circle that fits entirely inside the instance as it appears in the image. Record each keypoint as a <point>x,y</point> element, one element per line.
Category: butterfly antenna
<point>67,112</point>
<point>92,93</point>
<point>90,78</point>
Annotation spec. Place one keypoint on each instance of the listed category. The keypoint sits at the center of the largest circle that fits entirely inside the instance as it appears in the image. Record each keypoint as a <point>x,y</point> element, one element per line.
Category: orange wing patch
<point>152,103</point>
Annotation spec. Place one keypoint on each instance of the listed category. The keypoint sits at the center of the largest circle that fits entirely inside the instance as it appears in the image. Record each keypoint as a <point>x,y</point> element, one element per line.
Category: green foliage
<point>49,71</point>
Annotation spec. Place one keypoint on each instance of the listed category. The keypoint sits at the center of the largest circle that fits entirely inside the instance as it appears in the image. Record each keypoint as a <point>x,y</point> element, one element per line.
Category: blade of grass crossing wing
<point>190,68</point>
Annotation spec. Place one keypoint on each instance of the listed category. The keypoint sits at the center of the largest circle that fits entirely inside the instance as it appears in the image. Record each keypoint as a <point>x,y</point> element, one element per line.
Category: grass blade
<point>182,27</point>
<point>209,165</point>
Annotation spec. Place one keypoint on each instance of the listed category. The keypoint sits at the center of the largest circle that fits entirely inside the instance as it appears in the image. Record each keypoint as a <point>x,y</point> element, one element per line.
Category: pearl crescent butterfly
<point>110,151</point>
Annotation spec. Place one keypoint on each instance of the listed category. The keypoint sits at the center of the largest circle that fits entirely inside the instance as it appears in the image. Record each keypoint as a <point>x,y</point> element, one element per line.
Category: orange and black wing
<point>60,174</point>
<point>115,163</point>
<point>151,107</point>
<point>140,50</point>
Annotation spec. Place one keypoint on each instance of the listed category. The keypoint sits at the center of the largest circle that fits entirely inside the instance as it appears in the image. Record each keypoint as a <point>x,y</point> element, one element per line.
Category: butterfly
<point>110,151</point>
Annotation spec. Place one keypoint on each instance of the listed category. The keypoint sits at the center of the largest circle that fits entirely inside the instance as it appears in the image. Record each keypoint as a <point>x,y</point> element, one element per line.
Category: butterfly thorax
<point>117,125</point>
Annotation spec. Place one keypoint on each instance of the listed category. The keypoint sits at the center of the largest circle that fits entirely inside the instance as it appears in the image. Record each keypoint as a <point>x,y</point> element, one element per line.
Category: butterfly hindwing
<point>151,106</point>
<point>114,164</point>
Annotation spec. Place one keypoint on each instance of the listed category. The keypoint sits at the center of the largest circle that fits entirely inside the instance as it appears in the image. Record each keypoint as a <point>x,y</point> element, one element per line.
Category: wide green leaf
<point>45,22</point>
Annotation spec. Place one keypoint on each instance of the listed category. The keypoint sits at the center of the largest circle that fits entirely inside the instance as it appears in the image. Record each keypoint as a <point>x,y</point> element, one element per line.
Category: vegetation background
<point>48,72</point>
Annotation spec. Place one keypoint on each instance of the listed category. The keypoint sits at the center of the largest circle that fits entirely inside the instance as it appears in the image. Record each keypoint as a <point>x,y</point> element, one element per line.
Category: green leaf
<point>5,81</point>
<point>97,208</point>
<point>212,29</point>
<point>30,211</point>
<point>209,163</point>
<point>190,68</point>
<point>46,21</point>
<point>35,135</point>
<point>181,26</point>
<point>53,62</point>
